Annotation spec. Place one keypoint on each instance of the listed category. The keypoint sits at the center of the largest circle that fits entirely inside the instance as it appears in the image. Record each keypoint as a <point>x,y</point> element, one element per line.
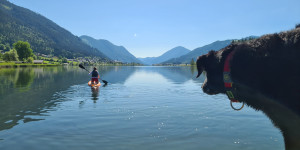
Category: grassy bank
<point>51,63</point>
<point>12,64</point>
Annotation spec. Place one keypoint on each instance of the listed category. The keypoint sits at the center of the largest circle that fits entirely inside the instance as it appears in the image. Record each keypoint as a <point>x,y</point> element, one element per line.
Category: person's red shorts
<point>95,80</point>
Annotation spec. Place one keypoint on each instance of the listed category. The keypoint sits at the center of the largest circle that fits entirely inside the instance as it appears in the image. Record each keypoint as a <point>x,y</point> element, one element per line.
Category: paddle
<point>81,66</point>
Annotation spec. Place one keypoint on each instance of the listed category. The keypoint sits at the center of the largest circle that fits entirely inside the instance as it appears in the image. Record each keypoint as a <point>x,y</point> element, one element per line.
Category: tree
<point>34,57</point>
<point>7,47</point>
<point>29,60</point>
<point>2,47</point>
<point>193,63</point>
<point>11,55</point>
<point>23,49</point>
<point>5,56</point>
<point>1,55</point>
<point>64,60</point>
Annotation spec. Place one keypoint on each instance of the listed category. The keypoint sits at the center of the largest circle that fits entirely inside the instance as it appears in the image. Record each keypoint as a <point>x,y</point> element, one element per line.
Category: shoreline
<point>27,65</point>
<point>13,65</point>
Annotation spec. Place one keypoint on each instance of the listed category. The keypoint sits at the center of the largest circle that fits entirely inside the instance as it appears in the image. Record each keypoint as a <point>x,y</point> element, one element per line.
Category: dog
<point>263,73</point>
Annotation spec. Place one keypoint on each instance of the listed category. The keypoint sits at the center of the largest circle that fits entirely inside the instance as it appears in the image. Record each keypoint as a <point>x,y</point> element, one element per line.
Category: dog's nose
<point>205,88</point>
<point>208,90</point>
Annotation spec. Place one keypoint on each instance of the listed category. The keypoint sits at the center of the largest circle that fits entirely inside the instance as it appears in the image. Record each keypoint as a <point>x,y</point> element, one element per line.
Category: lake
<point>141,108</point>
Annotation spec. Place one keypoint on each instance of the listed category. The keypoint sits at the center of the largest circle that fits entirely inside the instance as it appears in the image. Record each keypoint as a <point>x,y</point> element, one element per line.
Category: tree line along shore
<point>22,55</point>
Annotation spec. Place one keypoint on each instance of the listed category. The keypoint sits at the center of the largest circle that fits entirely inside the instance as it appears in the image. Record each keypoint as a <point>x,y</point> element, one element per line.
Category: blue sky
<point>151,27</point>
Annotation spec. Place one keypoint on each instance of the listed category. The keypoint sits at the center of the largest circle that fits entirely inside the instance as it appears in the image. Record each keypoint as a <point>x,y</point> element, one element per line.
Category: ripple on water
<point>152,108</point>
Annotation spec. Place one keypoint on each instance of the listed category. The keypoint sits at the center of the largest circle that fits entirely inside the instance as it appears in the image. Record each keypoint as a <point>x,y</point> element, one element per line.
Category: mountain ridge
<point>217,45</point>
<point>114,52</point>
<point>44,35</point>
<point>187,58</point>
<point>172,53</point>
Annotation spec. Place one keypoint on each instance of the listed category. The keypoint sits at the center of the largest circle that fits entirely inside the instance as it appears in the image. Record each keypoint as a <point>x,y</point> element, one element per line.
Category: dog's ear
<point>200,64</point>
<point>203,60</point>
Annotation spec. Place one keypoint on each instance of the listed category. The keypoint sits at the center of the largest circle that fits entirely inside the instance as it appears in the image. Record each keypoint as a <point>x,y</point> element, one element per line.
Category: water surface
<point>141,108</point>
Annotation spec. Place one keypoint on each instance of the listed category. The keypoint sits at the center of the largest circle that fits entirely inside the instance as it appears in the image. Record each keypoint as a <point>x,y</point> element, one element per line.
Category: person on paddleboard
<point>95,76</point>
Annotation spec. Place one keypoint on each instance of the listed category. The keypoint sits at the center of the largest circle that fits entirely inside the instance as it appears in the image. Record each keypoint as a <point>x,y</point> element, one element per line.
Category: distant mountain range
<point>117,53</point>
<point>217,45</point>
<point>46,37</point>
<point>187,58</point>
<point>173,53</point>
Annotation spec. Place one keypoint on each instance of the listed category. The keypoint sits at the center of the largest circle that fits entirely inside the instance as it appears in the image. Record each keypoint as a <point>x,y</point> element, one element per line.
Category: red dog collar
<point>227,79</point>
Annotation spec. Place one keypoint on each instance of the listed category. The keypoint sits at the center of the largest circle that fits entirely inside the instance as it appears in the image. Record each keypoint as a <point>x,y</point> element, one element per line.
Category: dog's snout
<point>206,89</point>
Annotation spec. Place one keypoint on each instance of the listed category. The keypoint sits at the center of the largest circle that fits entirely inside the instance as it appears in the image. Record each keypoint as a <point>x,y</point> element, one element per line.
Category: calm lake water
<point>141,108</point>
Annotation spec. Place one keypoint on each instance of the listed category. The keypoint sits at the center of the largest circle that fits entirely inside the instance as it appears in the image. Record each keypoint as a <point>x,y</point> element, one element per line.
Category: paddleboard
<point>94,85</point>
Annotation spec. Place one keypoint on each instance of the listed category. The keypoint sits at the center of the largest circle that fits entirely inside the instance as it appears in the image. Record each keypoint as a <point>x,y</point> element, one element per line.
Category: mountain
<point>148,60</point>
<point>173,53</point>
<point>117,53</point>
<point>46,37</point>
<point>187,58</point>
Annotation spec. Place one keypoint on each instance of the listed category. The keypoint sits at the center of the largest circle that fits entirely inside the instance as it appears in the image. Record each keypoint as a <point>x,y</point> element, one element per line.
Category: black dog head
<point>212,65</point>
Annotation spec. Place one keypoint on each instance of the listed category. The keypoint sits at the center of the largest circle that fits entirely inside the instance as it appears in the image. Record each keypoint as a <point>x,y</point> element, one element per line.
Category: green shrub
<point>11,55</point>
<point>30,60</point>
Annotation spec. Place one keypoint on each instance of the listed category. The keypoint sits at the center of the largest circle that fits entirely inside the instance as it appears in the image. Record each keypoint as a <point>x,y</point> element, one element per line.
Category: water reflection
<point>24,79</point>
<point>26,94</point>
<point>146,97</point>
<point>31,91</point>
<point>116,74</point>
<point>15,79</point>
<point>176,75</point>
<point>95,93</point>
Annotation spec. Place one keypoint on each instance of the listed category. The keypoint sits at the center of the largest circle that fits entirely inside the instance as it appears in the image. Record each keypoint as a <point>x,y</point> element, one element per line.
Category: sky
<point>149,28</point>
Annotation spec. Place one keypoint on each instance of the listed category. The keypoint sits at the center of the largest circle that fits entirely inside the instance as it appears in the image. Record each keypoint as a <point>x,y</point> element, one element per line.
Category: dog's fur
<point>266,76</point>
